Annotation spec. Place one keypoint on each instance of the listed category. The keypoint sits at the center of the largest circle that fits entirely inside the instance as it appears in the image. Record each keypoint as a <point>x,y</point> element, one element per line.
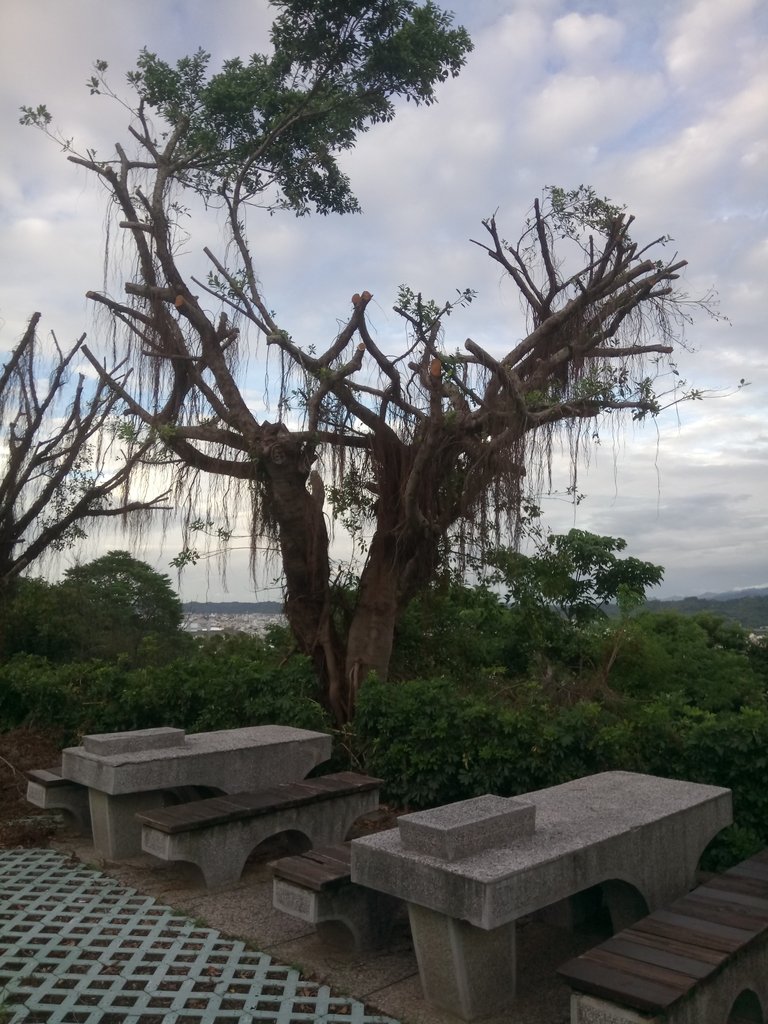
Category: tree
<point>120,602</point>
<point>61,466</point>
<point>578,573</point>
<point>672,653</point>
<point>421,449</point>
<point>113,607</point>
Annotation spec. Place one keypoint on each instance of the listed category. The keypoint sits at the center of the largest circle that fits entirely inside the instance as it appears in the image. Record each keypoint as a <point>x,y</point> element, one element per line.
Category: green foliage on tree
<point>704,659</point>
<point>38,622</point>
<point>271,128</point>
<point>220,683</point>
<point>115,607</point>
<point>578,573</point>
<point>750,612</point>
<point>121,603</point>
<point>453,631</point>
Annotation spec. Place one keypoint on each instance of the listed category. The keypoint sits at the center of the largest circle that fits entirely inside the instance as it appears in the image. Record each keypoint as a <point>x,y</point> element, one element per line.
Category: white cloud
<point>591,40</point>
<point>585,111</point>
<point>708,162</point>
<point>711,39</point>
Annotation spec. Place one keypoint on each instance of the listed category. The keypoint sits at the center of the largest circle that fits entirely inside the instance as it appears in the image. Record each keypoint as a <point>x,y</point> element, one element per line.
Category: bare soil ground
<point>21,750</point>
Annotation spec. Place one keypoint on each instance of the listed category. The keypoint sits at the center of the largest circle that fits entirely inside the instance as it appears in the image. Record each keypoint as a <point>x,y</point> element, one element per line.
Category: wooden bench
<point>47,789</point>
<point>317,887</point>
<point>218,834</point>
<point>701,960</point>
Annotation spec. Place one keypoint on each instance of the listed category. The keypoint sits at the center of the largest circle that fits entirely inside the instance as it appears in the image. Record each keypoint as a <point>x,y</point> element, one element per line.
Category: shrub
<point>229,682</point>
<point>696,656</point>
<point>432,744</point>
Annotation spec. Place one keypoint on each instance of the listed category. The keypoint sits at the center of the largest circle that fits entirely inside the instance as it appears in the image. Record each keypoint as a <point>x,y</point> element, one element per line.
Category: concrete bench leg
<point>576,911</point>
<point>626,905</point>
<point>367,914</point>
<point>363,913</point>
<point>463,969</point>
<point>71,801</point>
<point>116,832</point>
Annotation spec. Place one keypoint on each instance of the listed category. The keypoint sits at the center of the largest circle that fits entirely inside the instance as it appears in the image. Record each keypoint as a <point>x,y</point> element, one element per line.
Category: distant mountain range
<point>730,595</point>
<point>747,607</point>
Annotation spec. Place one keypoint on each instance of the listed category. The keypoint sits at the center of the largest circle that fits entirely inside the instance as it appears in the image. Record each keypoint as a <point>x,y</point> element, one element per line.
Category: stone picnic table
<point>130,772</point>
<point>468,871</point>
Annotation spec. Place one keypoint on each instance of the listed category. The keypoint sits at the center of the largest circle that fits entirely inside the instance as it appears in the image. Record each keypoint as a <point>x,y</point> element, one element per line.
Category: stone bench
<point>131,772</point>
<point>701,960</point>
<point>47,789</point>
<point>470,870</point>
<point>219,834</point>
<point>317,887</point>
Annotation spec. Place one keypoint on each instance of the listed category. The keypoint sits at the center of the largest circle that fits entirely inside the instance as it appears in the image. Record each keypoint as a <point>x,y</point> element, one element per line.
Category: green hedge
<point>229,682</point>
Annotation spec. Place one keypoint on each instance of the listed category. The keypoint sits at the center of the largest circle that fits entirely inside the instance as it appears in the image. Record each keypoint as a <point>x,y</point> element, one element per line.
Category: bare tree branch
<point>62,468</point>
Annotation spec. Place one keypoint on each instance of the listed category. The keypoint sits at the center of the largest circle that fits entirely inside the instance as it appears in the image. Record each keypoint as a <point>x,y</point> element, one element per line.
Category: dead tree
<point>63,462</point>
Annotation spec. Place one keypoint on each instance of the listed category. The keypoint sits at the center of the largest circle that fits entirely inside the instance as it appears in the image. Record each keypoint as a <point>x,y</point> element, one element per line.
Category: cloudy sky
<point>660,105</point>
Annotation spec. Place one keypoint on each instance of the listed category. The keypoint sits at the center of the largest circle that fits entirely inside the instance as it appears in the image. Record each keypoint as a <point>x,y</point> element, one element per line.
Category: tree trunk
<point>399,564</point>
<point>303,538</point>
<point>401,560</point>
<point>371,632</point>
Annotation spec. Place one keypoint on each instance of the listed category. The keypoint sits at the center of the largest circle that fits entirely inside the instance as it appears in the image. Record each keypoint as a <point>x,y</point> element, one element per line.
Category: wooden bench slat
<point>678,980</point>
<point>49,778</point>
<point>319,869</point>
<point>732,883</point>
<point>341,852</point>
<point>643,952</point>
<point>749,902</point>
<point>750,869</point>
<point>294,794</point>
<point>309,875</point>
<point>344,780</point>
<point>682,928</point>
<point>334,858</point>
<point>698,924</point>
<point>217,810</point>
<point>263,801</point>
<point>625,988</point>
<point>196,814</point>
<point>692,949</point>
<point>719,912</point>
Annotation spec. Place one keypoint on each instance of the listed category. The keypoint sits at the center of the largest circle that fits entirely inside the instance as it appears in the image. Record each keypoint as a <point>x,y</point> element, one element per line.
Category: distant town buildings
<point>255,623</point>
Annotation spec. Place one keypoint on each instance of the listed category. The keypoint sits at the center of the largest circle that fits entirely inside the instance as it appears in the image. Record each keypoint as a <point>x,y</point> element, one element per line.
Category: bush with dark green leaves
<point>226,683</point>
<point>433,744</point>
<point>703,658</point>
<point>115,607</point>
